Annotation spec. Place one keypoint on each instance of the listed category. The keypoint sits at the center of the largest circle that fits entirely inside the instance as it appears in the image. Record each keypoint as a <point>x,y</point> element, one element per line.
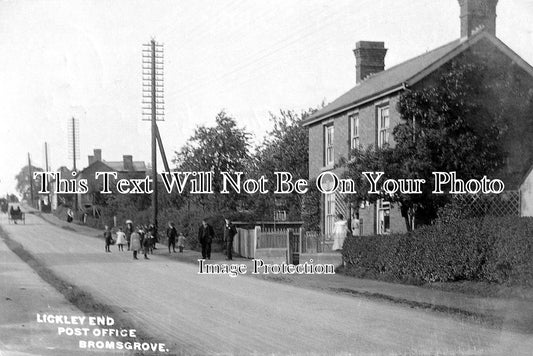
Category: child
<point>121,239</point>
<point>181,241</point>
<point>108,238</point>
<point>147,244</point>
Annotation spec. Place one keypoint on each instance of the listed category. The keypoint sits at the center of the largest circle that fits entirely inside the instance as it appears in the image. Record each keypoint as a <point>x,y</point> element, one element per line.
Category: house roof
<point>405,74</point>
<point>118,166</point>
<point>138,166</point>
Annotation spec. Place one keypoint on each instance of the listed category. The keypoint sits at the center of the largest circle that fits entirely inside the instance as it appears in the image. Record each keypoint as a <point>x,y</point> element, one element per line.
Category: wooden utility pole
<point>31,180</point>
<point>46,156</point>
<point>46,170</point>
<point>153,106</point>
<point>154,147</point>
<point>74,143</point>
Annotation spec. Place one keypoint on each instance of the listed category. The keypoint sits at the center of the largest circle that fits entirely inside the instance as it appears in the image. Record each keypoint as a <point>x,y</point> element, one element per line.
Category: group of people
<point>143,238</point>
<point>206,235</point>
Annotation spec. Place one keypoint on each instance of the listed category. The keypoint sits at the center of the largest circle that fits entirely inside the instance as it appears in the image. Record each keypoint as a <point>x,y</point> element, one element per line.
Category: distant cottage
<point>367,114</point>
<point>127,168</point>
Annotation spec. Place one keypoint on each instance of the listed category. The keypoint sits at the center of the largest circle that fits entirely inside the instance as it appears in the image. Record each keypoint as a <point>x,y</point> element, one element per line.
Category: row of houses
<point>367,114</point>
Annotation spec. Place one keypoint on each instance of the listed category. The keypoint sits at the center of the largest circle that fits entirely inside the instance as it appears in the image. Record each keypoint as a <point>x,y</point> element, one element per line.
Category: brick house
<point>127,168</point>
<point>367,113</point>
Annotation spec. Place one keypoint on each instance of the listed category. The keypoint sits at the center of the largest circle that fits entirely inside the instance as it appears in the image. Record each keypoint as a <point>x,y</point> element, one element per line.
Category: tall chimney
<point>369,59</point>
<point>97,154</point>
<point>128,162</point>
<point>476,14</point>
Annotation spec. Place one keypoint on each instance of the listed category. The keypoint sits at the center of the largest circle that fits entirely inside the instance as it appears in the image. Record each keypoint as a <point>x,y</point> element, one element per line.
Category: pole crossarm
<point>153,107</point>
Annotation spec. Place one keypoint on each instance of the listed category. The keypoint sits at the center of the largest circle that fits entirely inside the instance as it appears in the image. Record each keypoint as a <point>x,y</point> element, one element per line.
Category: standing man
<point>172,233</point>
<point>205,237</point>
<point>229,232</point>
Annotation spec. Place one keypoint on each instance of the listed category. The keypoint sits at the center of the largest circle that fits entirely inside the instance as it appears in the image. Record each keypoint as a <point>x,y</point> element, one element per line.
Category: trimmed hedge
<point>491,249</point>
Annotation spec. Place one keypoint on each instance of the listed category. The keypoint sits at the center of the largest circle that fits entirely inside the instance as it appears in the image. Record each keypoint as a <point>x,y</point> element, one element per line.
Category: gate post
<point>256,235</point>
<point>289,246</point>
<point>300,238</point>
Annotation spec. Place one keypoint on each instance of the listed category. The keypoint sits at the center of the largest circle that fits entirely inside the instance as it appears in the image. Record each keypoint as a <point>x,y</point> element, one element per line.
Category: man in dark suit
<point>229,232</point>
<point>205,237</point>
<point>172,233</point>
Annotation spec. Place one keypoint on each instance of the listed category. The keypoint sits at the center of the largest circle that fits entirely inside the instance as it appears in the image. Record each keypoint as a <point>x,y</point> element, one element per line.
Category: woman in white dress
<point>340,231</point>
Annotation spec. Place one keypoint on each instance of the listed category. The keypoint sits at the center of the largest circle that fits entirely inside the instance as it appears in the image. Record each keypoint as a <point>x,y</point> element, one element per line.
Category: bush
<point>311,208</point>
<point>488,249</point>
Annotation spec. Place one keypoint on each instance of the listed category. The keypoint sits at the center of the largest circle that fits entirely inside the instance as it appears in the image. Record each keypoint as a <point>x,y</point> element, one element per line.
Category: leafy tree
<point>222,148</point>
<point>23,183</point>
<point>457,123</point>
<point>285,149</point>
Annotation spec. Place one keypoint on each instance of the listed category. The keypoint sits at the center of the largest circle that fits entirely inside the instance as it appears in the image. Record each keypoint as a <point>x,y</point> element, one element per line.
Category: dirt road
<point>208,314</point>
<point>23,295</point>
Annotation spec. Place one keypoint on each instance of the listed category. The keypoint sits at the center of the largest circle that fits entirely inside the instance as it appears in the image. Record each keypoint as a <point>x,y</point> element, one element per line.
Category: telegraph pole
<point>46,156</point>
<point>31,180</point>
<point>74,133</point>
<point>153,105</point>
<point>46,169</point>
<point>74,149</point>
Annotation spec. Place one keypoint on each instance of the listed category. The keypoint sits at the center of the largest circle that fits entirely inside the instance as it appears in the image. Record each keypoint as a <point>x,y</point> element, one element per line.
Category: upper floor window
<point>354,134</point>
<point>329,154</point>
<point>383,126</point>
<point>280,215</point>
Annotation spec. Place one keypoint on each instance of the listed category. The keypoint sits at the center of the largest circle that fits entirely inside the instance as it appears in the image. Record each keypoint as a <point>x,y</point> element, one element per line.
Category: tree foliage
<point>457,123</point>
<point>221,148</point>
<point>23,182</point>
<point>284,149</point>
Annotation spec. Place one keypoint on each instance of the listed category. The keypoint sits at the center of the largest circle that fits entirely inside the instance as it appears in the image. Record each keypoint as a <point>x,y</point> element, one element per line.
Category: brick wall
<point>368,215</point>
<point>367,135</point>
<point>342,137</point>
<point>316,149</point>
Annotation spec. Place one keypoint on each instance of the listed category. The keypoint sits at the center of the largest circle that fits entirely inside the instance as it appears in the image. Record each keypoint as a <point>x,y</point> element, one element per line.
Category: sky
<point>72,58</point>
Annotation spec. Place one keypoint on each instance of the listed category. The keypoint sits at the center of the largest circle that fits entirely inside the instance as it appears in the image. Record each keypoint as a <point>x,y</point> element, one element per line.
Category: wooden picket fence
<point>252,242</point>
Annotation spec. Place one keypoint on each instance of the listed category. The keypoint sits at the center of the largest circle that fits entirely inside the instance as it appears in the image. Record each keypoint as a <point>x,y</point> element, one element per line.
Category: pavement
<point>506,313</point>
<point>216,314</point>
<point>21,294</point>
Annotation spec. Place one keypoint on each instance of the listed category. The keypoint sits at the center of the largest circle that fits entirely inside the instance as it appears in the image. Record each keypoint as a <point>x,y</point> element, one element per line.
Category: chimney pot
<point>97,154</point>
<point>477,14</point>
<point>128,162</point>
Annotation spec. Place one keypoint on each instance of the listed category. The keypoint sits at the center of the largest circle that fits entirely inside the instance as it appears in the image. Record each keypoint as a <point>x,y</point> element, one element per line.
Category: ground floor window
<point>329,214</point>
<point>383,217</point>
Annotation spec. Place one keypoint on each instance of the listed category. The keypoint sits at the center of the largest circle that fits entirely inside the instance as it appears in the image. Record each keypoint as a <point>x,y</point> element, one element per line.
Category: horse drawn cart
<point>15,214</point>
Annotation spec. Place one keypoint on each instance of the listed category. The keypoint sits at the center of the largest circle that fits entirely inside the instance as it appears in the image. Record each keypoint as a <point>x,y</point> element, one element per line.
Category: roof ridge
<point>458,40</point>
<point>391,78</point>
